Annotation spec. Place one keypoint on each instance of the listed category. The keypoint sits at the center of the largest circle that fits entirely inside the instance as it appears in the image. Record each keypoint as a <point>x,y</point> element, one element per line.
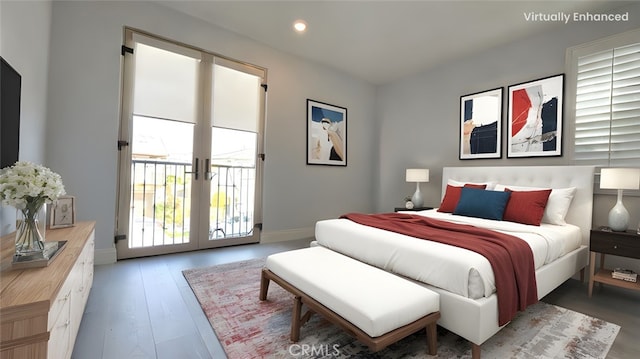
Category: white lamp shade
<point>620,178</point>
<point>417,175</point>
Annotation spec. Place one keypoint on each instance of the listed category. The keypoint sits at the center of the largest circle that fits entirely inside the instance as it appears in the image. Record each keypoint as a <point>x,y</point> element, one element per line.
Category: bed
<point>468,303</point>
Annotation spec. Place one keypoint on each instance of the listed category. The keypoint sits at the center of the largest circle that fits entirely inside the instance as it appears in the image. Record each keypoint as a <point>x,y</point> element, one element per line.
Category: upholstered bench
<point>376,307</point>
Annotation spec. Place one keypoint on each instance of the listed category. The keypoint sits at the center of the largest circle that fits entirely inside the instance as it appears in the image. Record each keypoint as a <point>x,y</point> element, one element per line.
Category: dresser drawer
<point>625,244</point>
<point>58,347</point>
<point>60,304</point>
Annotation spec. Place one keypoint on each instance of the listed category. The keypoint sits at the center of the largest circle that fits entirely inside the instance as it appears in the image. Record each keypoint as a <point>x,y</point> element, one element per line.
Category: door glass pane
<point>161,189</point>
<point>233,147</point>
<point>233,170</point>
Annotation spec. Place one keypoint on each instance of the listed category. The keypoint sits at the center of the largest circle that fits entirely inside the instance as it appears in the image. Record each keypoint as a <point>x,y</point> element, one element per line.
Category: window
<point>604,80</point>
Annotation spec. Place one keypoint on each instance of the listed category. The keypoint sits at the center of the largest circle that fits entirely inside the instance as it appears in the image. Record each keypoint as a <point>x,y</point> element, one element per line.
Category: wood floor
<point>144,308</point>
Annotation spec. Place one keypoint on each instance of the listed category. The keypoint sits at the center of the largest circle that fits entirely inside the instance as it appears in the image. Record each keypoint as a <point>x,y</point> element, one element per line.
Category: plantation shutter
<point>607,123</point>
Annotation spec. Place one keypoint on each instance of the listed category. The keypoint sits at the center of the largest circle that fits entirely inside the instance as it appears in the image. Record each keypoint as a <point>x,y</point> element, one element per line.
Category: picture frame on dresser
<point>63,212</point>
<point>534,124</point>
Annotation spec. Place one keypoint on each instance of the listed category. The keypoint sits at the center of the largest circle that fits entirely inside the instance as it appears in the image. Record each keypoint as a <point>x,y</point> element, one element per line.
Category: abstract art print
<point>535,118</point>
<point>326,134</point>
<point>480,125</point>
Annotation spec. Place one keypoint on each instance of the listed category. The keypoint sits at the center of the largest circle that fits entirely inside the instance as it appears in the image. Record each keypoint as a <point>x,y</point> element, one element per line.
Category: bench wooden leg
<point>475,351</point>
<point>264,286</point>
<point>295,319</point>
<point>432,338</point>
<point>306,317</point>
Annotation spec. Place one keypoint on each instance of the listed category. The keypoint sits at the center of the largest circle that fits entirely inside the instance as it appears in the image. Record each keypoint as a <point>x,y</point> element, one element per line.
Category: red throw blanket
<point>510,257</point>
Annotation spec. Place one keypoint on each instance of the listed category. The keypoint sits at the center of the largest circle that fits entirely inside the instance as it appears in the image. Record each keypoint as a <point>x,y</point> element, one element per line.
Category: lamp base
<point>619,217</point>
<point>416,199</point>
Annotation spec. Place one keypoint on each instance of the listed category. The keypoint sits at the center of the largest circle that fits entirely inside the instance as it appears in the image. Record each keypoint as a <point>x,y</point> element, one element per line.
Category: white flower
<point>28,186</point>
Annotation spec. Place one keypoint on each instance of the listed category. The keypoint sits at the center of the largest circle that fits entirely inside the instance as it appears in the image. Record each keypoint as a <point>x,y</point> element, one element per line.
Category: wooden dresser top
<point>39,286</point>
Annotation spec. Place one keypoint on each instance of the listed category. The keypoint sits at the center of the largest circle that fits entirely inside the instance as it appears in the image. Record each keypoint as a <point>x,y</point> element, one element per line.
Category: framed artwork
<point>535,118</point>
<point>481,124</point>
<point>63,212</point>
<point>326,134</point>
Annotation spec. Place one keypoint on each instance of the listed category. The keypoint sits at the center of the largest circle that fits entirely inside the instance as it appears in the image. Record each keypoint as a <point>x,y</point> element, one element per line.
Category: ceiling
<point>380,41</point>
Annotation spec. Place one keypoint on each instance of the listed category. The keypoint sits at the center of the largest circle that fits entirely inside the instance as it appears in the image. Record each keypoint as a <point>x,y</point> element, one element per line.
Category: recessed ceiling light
<point>300,25</point>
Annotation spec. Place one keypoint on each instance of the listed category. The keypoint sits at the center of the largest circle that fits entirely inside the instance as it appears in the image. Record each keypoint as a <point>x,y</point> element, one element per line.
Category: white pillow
<point>557,205</point>
<point>490,185</point>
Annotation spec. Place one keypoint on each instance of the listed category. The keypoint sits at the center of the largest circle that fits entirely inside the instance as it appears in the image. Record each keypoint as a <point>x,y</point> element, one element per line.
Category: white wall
<point>84,92</point>
<point>24,43</point>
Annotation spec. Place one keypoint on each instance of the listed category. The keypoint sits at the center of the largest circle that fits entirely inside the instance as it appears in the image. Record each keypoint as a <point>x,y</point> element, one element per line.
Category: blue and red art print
<point>535,118</point>
<point>481,124</point>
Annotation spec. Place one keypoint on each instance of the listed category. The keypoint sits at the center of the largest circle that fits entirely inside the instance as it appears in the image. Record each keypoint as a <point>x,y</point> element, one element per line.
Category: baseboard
<point>109,256</point>
<point>105,256</point>
<point>286,235</point>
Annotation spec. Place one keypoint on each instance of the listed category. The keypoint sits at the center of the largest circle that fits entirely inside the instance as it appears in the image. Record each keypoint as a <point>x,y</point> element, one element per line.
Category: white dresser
<point>41,308</point>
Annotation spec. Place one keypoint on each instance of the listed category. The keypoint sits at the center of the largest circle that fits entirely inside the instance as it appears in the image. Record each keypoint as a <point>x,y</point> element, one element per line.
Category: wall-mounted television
<point>10,87</point>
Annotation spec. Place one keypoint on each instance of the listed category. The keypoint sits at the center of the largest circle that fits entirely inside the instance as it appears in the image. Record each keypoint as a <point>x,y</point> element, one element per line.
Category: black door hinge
<point>262,156</point>
<point>258,226</point>
<point>264,86</point>
<point>119,237</point>
<point>121,144</point>
<point>124,49</point>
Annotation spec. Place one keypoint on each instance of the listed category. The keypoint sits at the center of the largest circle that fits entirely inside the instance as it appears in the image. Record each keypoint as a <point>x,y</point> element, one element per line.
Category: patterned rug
<point>249,328</point>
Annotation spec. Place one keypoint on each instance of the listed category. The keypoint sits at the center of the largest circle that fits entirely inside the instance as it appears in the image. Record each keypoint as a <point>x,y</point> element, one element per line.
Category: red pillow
<point>452,196</point>
<point>526,207</point>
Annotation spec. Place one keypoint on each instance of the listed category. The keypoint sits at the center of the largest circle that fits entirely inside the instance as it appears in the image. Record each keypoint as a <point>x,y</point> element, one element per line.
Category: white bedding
<point>454,269</point>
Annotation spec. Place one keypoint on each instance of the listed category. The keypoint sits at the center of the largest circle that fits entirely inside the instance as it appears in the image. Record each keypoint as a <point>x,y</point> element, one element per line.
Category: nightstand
<point>398,209</point>
<point>623,244</point>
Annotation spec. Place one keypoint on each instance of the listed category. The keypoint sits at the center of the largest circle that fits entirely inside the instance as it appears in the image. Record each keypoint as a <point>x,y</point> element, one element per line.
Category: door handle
<point>195,173</point>
<point>207,168</point>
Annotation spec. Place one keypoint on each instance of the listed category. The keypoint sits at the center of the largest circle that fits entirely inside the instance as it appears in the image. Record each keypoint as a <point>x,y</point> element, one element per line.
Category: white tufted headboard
<point>581,177</point>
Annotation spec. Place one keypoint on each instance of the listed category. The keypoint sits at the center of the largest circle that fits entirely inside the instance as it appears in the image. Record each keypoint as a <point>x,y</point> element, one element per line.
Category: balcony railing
<point>161,202</point>
<point>232,201</point>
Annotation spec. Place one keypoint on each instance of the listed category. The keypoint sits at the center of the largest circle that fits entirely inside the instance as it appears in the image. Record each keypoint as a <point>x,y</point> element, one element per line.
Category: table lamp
<point>619,179</point>
<point>417,175</point>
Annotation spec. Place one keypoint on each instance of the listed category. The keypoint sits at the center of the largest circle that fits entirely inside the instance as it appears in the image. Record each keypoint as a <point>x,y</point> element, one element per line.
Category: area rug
<point>249,328</point>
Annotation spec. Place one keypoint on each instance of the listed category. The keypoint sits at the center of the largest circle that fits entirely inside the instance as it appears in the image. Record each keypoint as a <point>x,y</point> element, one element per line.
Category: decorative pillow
<point>526,207</point>
<point>452,196</point>
<point>487,185</point>
<point>482,204</point>
<point>557,205</point>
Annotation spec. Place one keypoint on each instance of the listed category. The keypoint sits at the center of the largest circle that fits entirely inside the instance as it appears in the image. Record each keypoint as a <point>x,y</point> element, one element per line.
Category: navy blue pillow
<point>482,204</point>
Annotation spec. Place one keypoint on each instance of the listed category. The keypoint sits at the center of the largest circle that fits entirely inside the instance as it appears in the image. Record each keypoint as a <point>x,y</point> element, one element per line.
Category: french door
<point>190,168</point>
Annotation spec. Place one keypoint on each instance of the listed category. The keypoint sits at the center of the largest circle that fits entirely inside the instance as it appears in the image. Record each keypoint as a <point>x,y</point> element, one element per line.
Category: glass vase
<point>30,231</point>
